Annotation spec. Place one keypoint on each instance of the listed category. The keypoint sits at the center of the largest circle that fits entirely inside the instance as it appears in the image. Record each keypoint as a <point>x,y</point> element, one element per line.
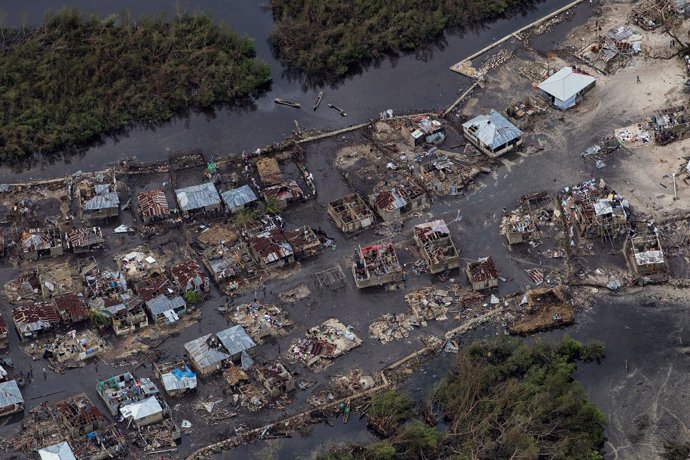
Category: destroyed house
<point>84,239</point>
<point>612,50</point>
<point>176,377</point>
<point>597,211</point>
<point>272,250</point>
<point>189,276</point>
<point>566,87</point>
<point>11,399</point>
<point>671,125</point>
<point>137,265</point>
<point>123,389</point>
<point>269,172</point>
<point>276,378</point>
<point>166,309</point>
<point>520,226</point>
<point>326,341</point>
<point>126,313</point>
<point>72,308</point>
<point>100,203</point>
<point>41,242</point>
<point>304,242</point>
<point>284,193</point>
<point>444,175</point>
<point>200,198</point>
<point>75,348</point>
<point>391,202</point>
<point>3,333</point>
<point>236,341</point>
<point>80,416</point>
<point>103,283</point>
<point>424,130</point>
<point>482,274</point>
<point>645,255</point>
<point>56,280</point>
<point>650,14</point>
<point>238,198</point>
<point>350,213</point>
<point>436,246</point>
<point>35,318</point>
<point>492,134</point>
<point>153,206</point>
<point>376,265</point>
<point>153,286</point>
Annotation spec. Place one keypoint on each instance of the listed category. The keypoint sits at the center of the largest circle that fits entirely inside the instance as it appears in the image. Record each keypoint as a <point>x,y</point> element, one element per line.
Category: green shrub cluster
<point>72,79</point>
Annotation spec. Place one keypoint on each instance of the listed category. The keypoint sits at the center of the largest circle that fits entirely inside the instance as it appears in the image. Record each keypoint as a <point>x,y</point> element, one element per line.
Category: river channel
<point>406,83</point>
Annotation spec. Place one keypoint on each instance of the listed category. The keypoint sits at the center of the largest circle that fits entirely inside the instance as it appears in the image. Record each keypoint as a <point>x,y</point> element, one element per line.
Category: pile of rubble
<point>430,303</point>
<point>392,327</point>
<point>259,320</point>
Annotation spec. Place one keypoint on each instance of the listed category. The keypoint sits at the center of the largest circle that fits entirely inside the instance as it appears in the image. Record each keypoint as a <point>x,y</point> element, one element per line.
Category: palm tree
<point>244,216</point>
<point>272,206</point>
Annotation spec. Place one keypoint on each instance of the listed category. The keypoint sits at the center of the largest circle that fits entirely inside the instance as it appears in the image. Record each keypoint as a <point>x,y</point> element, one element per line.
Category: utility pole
<point>675,192</point>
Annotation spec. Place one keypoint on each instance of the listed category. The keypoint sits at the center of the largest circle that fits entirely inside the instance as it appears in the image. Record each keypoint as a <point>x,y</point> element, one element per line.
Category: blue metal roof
<point>238,197</point>
<point>492,130</point>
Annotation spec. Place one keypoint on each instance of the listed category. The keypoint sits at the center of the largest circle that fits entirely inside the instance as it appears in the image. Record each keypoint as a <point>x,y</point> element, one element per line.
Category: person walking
<point>45,374</point>
<point>638,78</point>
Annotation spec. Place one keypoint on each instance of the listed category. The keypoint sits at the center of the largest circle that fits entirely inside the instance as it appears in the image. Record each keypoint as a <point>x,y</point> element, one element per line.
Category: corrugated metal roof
<point>103,201</point>
<point>204,355</point>
<point>142,409</point>
<point>162,303</point>
<point>197,196</point>
<point>566,83</point>
<point>84,236</point>
<point>492,130</point>
<point>238,197</point>
<point>235,339</point>
<point>59,451</point>
<point>153,203</point>
<point>10,394</point>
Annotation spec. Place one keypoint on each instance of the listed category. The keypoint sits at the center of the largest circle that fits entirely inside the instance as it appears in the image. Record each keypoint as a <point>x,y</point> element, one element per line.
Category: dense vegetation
<point>329,38</point>
<point>71,79</point>
<point>502,399</point>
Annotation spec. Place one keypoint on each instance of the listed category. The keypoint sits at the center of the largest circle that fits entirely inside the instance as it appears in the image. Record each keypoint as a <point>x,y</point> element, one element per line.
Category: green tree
<point>192,297</point>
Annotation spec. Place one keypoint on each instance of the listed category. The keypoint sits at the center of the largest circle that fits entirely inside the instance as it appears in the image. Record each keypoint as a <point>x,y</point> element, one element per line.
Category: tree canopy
<point>501,399</point>
<point>330,38</point>
<point>73,78</point>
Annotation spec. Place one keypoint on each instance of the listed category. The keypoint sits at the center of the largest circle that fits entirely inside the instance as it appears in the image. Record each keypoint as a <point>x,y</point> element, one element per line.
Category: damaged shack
<point>670,124</point>
<point>436,246</point>
<point>33,319</point>
<point>100,201</point>
<point>423,130</point>
<point>444,173</point>
<point>37,243</point>
<point>236,199</point>
<point>271,249</point>
<point>376,264</point>
<point>350,213</point>
<point>11,399</point>
<point>284,193</point>
<point>188,276</point>
<point>259,320</point>
<point>176,377</point>
<point>304,242</point>
<point>482,273</point>
<point>645,255</point>
<point>84,239</point>
<point>541,310</point>
<point>124,311</point>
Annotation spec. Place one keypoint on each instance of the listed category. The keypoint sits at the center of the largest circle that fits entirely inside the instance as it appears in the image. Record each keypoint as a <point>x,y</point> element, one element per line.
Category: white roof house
<point>492,133</point>
<point>59,451</point>
<point>143,412</point>
<point>196,197</point>
<point>566,86</point>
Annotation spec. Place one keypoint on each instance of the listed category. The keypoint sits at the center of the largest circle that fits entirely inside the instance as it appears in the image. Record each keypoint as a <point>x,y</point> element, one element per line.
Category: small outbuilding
<point>566,87</point>
<point>482,274</point>
<point>492,134</point>
<point>153,206</point>
<point>166,309</point>
<point>144,412</point>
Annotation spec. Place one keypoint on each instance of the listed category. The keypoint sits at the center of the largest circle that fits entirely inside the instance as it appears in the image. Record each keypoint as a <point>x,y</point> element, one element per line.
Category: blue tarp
<point>180,374</point>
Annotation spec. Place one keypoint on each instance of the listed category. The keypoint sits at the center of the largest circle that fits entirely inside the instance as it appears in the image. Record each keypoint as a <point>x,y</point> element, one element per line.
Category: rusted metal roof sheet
<point>153,204</point>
